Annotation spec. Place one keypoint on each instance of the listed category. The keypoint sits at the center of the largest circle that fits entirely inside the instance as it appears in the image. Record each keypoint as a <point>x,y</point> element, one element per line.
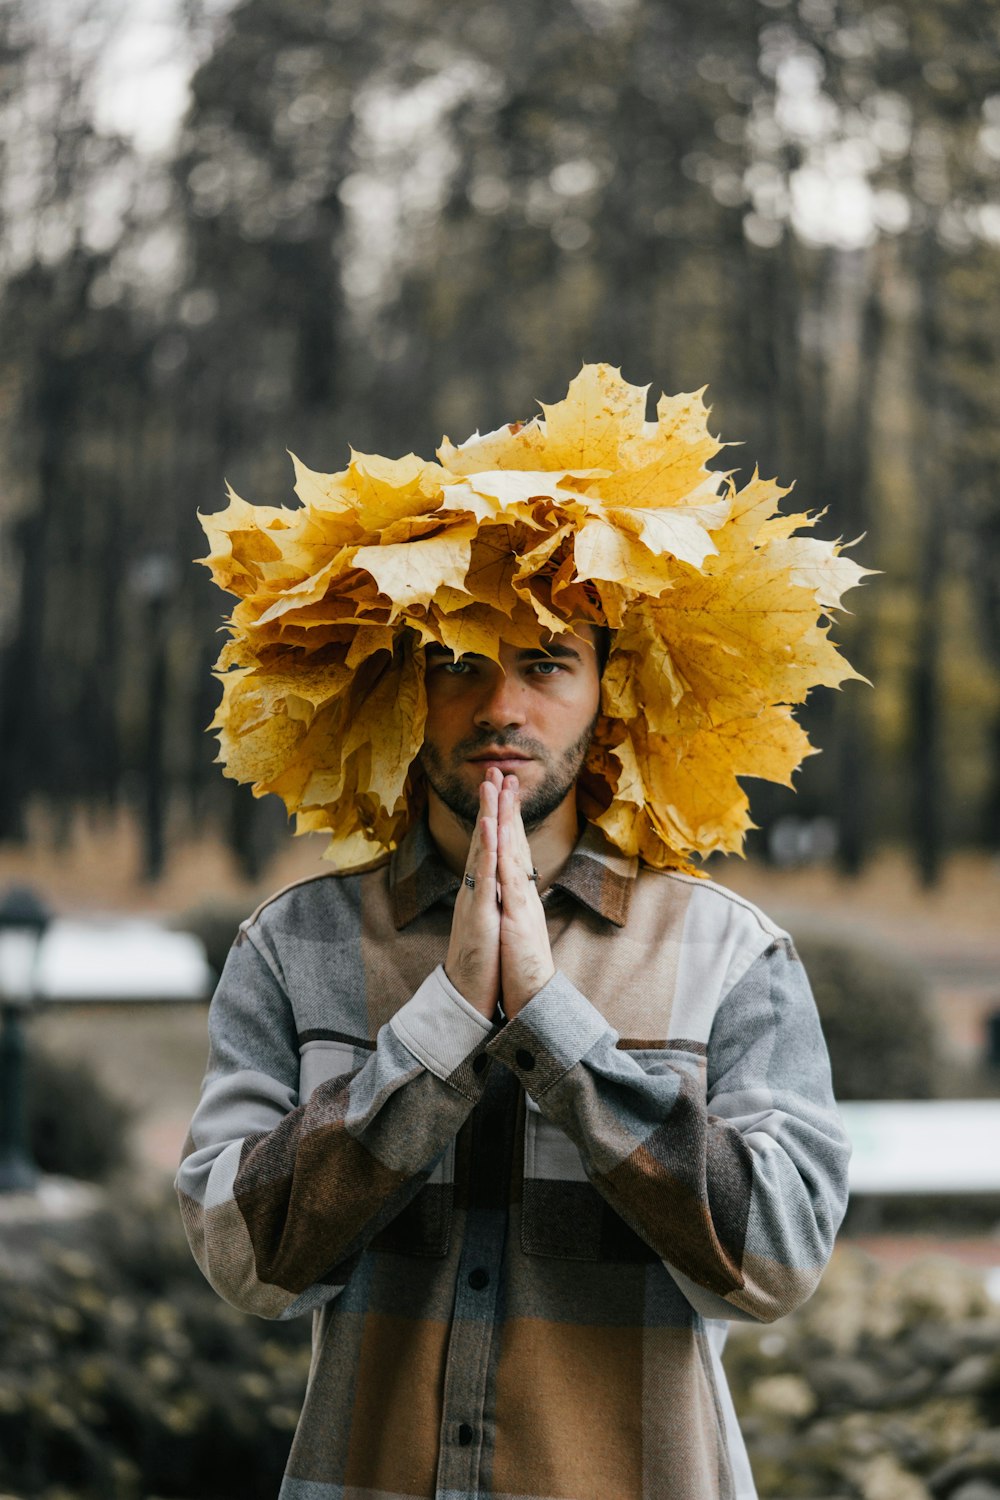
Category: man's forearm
<point>279,1195</point>
<point>738,1181</point>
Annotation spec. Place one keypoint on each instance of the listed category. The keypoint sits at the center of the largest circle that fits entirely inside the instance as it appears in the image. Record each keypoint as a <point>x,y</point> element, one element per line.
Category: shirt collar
<point>597,875</point>
<point>418,876</point>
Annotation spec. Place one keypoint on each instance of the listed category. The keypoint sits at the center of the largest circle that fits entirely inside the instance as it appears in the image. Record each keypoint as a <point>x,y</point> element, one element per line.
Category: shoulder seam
<point>307,880</point>
<point>265,957</point>
<point>276,895</point>
<point>767,925</point>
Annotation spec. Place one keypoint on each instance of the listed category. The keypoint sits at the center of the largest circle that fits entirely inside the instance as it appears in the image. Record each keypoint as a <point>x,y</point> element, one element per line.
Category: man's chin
<point>460,794</point>
<point>538,797</point>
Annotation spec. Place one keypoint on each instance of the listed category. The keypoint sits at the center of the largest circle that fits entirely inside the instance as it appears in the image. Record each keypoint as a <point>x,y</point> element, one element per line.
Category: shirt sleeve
<point>280,1196</point>
<point>729,1160</point>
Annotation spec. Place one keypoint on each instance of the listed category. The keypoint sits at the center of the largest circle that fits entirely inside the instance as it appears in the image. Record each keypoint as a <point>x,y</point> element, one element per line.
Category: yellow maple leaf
<point>410,573</point>
<point>599,414</point>
<point>388,490</point>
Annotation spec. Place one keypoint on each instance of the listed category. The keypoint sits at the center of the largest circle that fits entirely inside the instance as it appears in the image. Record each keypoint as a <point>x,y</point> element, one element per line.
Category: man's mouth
<point>498,756</point>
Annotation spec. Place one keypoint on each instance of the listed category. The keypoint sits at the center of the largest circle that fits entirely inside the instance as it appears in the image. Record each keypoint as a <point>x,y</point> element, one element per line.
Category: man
<point>523,1121</point>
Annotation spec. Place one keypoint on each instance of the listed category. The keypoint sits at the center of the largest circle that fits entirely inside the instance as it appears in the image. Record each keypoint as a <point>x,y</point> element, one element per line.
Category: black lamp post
<point>23,921</point>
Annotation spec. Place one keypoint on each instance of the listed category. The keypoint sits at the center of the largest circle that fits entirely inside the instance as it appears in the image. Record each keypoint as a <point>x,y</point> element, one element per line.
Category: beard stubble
<point>560,774</point>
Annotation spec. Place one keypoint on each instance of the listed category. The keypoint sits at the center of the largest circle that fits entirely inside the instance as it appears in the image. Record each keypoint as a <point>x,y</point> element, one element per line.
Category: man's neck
<point>551,842</point>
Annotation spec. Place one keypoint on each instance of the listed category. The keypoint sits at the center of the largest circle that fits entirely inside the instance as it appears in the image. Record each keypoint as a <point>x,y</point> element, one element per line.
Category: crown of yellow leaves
<point>588,515</point>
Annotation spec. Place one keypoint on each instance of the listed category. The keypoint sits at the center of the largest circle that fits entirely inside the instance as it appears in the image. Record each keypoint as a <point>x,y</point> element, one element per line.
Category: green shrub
<point>877,1019</point>
<point>123,1375</point>
<point>76,1127</point>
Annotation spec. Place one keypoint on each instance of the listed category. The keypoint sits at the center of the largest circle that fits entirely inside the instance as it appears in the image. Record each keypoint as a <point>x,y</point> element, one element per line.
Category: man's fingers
<point>485,862</point>
<point>481,865</point>
<point>521,835</point>
<point>525,955</point>
<point>511,813</point>
<point>511,872</point>
<point>488,791</point>
<point>473,960</point>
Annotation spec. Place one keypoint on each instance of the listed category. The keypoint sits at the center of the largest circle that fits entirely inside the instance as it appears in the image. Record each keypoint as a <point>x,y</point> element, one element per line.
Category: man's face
<point>531,716</point>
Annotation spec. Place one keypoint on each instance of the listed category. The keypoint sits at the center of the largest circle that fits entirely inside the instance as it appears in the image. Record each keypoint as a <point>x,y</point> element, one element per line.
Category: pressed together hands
<point>499,949</point>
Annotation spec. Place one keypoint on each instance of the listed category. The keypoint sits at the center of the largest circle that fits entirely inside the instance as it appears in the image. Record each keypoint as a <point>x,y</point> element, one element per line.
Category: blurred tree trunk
<point>106,681</point>
<point>48,391</point>
<point>927,813</point>
<point>19,676</point>
<point>853,515</point>
<point>853,339</point>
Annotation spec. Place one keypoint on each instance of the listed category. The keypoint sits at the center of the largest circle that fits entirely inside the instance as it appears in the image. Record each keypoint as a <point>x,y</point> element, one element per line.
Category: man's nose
<point>502,704</point>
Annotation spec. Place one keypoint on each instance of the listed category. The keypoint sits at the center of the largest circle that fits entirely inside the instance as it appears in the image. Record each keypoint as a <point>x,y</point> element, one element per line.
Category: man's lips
<point>498,756</point>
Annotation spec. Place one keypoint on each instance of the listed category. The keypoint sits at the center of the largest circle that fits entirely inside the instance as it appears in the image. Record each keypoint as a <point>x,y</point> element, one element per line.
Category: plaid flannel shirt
<point>521,1243</point>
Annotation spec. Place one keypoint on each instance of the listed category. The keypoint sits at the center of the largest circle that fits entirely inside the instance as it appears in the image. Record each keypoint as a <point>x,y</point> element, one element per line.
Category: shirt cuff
<point>439,1026</point>
<point>550,1035</point>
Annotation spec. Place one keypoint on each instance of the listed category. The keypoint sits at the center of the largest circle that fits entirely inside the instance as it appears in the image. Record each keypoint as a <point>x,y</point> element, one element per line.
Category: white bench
<point>120,960</point>
<point>924,1146</point>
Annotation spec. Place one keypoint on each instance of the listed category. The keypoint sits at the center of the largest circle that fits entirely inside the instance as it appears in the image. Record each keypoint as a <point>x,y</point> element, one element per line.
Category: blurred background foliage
<point>379,223</point>
<point>126,1378</point>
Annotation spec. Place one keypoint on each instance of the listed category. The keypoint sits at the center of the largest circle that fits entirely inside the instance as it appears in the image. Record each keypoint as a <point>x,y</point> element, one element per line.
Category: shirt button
<point>464,1434</point>
<point>478,1279</point>
<point>524,1059</point>
<point>480,1063</point>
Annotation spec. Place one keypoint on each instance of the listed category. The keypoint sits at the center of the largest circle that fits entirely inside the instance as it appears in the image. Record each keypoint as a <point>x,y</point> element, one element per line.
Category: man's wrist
<point>467,993</point>
<point>515,1006</point>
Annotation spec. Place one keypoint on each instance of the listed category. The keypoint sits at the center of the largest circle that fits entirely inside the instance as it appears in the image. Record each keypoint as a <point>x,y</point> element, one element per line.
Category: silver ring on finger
<point>470,881</point>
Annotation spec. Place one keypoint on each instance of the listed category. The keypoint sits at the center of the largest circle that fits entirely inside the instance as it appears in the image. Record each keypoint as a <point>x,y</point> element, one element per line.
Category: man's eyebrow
<point>545,652</point>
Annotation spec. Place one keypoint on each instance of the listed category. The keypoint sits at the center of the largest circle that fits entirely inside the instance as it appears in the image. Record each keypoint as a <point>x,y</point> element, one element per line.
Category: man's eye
<point>547,668</point>
<point>454,668</point>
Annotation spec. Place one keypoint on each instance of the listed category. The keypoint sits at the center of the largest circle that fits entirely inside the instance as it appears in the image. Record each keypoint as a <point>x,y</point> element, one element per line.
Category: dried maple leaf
<point>719,616</point>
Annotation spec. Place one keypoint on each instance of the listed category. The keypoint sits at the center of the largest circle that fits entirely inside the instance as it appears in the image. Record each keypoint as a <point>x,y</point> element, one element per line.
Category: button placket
<point>471,1342</point>
<point>469,1346</point>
